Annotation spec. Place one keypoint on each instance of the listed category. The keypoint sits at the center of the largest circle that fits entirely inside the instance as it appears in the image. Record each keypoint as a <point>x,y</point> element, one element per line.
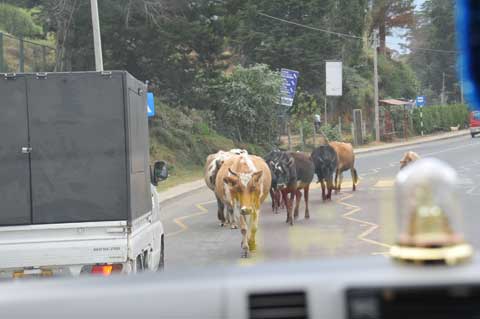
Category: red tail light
<point>106,270</point>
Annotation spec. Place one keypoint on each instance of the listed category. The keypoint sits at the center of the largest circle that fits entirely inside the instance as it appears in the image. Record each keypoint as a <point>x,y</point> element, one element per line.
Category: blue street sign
<point>289,86</point>
<point>420,101</point>
<point>150,105</point>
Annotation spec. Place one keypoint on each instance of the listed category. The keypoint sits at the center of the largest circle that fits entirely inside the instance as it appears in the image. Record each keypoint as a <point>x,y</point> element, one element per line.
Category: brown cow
<point>243,182</point>
<point>346,160</point>
<point>408,157</point>
<point>212,165</point>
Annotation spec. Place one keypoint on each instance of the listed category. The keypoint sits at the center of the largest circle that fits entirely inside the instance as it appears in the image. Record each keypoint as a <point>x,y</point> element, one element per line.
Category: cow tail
<point>355,176</point>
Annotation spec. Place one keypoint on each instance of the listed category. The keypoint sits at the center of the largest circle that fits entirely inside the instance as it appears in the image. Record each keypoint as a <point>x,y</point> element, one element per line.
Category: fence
<point>21,55</point>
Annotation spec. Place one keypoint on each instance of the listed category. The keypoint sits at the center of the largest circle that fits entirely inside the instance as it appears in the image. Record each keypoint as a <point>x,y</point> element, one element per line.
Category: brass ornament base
<point>449,255</point>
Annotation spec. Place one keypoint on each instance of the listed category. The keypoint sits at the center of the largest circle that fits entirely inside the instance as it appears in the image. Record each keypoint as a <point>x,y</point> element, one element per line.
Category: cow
<point>242,184</point>
<point>275,193</point>
<point>293,173</point>
<point>324,159</point>
<point>345,161</point>
<point>212,165</point>
<point>407,158</point>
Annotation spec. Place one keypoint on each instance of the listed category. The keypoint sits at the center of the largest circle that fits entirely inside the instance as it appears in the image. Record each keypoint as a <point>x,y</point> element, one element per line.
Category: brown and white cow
<point>345,161</point>
<point>212,165</point>
<point>242,184</point>
<point>408,157</point>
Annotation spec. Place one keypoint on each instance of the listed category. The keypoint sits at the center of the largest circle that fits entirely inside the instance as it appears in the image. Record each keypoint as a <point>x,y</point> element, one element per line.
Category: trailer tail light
<point>106,270</point>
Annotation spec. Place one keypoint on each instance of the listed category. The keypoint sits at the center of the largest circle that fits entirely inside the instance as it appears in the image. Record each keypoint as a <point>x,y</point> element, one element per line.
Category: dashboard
<point>373,287</point>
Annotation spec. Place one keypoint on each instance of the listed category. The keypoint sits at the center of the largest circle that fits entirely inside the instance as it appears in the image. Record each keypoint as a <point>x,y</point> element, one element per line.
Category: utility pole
<point>326,120</point>
<point>461,82</point>
<point>375,85</point>
<point>442,97</point>
<point>97,41</point>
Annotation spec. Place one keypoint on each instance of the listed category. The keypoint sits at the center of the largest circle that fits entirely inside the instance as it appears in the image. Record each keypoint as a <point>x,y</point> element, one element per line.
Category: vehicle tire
<point>161,264</point>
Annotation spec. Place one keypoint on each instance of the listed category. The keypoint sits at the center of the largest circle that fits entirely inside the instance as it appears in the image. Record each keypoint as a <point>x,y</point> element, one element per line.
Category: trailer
<point>76,188</point>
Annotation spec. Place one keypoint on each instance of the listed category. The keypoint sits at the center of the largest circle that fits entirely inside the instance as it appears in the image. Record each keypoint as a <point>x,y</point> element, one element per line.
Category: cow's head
<point>283,170</point>
<point>245,189</point>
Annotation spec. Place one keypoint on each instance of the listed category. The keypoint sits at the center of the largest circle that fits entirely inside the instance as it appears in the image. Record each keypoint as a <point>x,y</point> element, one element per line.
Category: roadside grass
<point>181,176</point>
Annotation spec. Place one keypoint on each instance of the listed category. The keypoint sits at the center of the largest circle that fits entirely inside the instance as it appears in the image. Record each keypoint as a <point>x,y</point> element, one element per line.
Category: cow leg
<point>244,229</point>
<point>340,181</point>
<point>353,172</point>
<point>253,230</point>
<point>324,197</point>
<point>306,190</point>
<point>220,214</point>
<point>273,197</point>
<point>298,199</point>
<point>288,203</point>
<point>330,187</point>
<point>231,217</point>
<point>336,181</point>
<point>278,200</point>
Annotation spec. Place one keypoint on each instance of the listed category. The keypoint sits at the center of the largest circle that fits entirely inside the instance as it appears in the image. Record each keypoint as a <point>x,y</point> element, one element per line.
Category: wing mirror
<point>159,172</point>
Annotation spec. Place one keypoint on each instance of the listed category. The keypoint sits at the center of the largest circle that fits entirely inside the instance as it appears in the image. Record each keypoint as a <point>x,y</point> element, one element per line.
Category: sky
<point>396,39</point>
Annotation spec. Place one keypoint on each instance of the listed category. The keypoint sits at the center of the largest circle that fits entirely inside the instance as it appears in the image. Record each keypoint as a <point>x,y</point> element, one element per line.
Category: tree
<point>435,30</point>
<point>18,21</point>
<point>248,110</point>
<point>388,14</point>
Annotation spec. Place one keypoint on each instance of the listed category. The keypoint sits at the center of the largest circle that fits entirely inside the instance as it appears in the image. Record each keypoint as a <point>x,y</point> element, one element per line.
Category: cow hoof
<point>307,216</point>
<point>244,253</point>
<point>233,226</point>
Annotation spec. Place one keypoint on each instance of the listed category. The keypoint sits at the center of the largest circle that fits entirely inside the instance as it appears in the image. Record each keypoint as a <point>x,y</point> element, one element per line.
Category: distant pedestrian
<point>317,122</point>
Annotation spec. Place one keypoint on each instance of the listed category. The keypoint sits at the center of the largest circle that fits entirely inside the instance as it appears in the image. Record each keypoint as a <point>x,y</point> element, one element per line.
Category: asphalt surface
<point>352,224</point>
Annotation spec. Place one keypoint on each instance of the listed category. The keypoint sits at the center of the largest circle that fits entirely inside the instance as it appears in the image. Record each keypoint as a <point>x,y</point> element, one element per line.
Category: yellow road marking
<point>384,183</point>
<point>372,226</point>
<point>182,225</point>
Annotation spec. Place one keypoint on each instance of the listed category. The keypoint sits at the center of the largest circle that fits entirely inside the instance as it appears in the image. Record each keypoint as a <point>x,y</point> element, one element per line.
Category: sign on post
<point>289,86</point>
<point>420,101</point>
<point>333,73</point>
<point>150,105</point>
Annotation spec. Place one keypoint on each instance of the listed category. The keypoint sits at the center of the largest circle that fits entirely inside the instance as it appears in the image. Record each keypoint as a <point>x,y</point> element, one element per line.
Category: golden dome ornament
<point>429,215</point>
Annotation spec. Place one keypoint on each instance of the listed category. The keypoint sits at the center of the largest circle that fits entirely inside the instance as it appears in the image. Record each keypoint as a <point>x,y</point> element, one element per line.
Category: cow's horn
<point>232,172</point>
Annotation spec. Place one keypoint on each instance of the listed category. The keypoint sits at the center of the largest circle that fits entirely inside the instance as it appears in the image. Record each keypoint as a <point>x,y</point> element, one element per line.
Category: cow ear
<point>232,181</point>
<point>257,175</point>
<point>290,162</point>
<point>218,163</point>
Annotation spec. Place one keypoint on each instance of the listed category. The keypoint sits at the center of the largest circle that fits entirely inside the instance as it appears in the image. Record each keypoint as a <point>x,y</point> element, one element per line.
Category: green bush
<point>439,118</point>
<point>330,132</point>
<point>18,21</point>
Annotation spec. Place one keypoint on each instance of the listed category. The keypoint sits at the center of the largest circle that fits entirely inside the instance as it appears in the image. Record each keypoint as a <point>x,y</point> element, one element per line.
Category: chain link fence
<point>20,55</point>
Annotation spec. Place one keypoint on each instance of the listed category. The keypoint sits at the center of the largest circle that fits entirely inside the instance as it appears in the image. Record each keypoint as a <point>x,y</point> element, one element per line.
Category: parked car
<point>474,123</point>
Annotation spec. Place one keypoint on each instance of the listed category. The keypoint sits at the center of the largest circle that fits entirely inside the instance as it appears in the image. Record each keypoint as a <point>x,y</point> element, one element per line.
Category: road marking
<point>384,183</point>
<point>183,226</point>
<point>372,226</point>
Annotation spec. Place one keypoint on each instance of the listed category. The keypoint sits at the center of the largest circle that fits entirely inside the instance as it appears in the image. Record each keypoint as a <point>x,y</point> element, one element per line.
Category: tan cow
<point>408,157</point>
<point>212,165</point>
<point>345,161</point>
<point>242,184</point>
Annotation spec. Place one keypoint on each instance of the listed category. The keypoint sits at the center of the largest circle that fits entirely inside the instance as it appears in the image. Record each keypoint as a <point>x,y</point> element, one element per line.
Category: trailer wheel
<point>161,264</point>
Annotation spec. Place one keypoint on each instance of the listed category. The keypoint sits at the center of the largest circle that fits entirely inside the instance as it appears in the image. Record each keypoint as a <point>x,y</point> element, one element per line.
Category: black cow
<point>325,160</point>
<point>293,172</point>
<point>272,159</point>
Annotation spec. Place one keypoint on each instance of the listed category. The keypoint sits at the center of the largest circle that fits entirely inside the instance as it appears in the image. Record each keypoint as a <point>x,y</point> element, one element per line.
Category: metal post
<point>340,126</point>
<point>289,133</point>
<point>461,82</point>
<point>326,120</point>
<point>97,41</point>
<point>44,58</point>
<point>21,55</point>
<point>442,97</point>
<point>421,120</point>
<point>375,85</point>
<point>1,53</point>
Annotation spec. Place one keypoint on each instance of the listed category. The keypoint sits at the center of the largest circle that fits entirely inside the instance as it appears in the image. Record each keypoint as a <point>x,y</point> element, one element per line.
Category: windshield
<point>476,115</point>
<point>241,132</point>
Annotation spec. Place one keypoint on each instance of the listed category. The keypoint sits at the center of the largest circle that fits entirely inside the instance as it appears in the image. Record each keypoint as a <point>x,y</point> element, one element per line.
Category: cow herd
<point>241,182</point>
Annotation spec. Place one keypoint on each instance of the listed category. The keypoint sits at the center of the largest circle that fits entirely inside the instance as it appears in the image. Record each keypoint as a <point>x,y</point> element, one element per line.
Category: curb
<point>196,185</point>
<point>414,142</point>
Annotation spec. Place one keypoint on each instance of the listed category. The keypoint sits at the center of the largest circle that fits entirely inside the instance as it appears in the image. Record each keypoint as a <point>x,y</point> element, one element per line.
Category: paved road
<point>353,223</point>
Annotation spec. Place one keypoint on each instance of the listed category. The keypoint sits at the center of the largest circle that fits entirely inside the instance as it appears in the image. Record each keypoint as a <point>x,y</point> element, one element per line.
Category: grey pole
<point>97,41</point>
<point>375,86</point>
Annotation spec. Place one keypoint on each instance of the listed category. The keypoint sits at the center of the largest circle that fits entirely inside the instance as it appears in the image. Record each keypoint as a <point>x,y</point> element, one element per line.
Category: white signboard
<point>333,78</point>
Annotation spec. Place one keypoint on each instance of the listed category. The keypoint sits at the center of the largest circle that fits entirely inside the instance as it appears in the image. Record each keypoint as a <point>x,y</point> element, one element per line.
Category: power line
<point>310,27</point>
<point>349,35</point>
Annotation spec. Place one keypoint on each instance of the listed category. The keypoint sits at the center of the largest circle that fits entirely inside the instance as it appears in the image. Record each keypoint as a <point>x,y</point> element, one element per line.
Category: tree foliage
<point>18,21</point>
